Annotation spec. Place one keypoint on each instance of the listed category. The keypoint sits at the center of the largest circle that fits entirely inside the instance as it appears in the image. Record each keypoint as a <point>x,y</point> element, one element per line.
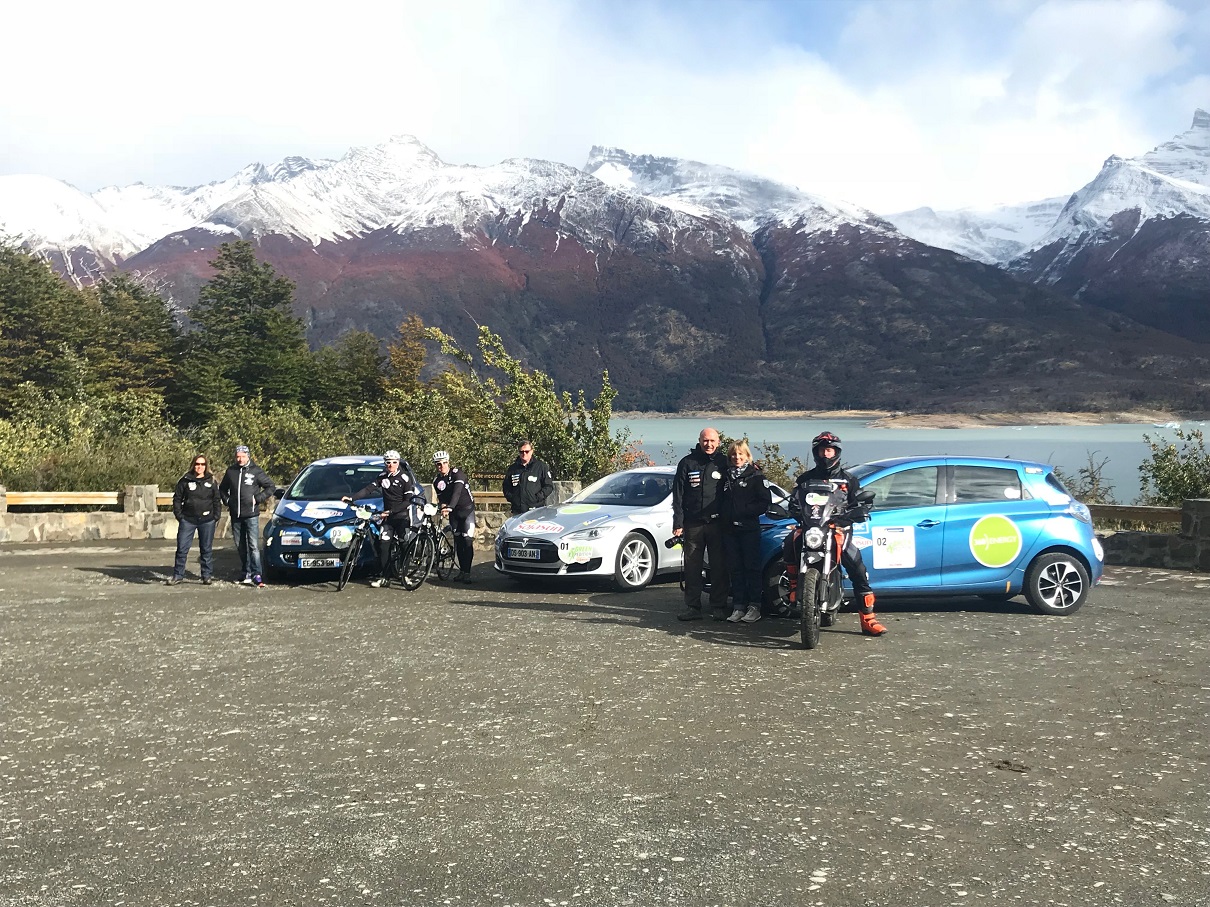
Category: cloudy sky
<point>891,104</point>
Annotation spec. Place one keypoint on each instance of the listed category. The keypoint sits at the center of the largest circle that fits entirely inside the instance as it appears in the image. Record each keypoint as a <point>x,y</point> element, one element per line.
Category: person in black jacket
<point>527,483</point>
<point>399,490</point>
<point>458,505</point>
<point>695,520</point>
<point>244,488</point>
<point>825,450</point>
<point>746,496</point>
<point>196,506</point>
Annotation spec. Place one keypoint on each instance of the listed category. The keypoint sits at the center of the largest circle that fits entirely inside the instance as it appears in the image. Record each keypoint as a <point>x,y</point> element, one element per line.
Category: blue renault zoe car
<point>311,527</point>
<point>977,526</point>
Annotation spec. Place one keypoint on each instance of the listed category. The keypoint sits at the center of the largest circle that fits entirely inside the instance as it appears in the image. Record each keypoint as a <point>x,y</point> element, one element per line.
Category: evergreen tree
<point>138,342</point>
<point>43,324</point>
<point>246,339</point>
<point>349,372</point>
<point>406,355</point>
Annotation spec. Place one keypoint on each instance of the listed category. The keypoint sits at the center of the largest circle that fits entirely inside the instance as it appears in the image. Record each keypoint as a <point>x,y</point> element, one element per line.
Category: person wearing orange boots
<point>825,451</point>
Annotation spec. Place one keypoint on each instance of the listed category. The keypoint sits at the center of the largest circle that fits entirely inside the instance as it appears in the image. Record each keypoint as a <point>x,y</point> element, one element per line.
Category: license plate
<point>318,562</point>
<point>525,554</point>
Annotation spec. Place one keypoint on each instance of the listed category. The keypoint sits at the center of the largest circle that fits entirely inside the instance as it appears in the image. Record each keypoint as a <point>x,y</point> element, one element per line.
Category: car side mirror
<point>777,512</point>
<point>279,493</point>
<point>865,497</point>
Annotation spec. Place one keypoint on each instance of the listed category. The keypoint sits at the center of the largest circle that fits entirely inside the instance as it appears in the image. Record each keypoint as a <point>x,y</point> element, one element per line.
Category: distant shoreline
<point>885,419</point>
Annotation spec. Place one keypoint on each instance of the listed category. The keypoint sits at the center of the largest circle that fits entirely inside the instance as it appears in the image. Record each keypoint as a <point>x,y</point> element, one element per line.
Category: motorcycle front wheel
<point>809,583</point>
<point>352,553</point>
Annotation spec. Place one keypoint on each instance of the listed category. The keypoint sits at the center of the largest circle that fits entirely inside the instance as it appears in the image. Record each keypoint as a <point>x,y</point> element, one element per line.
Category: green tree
<point>43,325</point>
<point>137,344</point>
<point>406,356</point>
<point>349,372</point>
<point>246,339</point>
<point>1173,474</point>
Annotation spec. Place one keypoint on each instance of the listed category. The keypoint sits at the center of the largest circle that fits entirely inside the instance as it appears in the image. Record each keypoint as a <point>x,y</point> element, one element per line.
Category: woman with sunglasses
<point>196,505</point>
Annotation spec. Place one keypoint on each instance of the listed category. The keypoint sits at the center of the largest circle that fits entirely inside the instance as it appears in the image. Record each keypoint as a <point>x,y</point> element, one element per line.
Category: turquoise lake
<point>1066,446</point>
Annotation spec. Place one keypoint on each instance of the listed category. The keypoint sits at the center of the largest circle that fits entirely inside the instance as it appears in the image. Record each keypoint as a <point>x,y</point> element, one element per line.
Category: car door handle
<point>928,524</point>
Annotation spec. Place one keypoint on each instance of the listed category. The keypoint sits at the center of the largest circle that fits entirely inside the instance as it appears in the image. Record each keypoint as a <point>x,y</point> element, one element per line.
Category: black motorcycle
<point>825,525</point>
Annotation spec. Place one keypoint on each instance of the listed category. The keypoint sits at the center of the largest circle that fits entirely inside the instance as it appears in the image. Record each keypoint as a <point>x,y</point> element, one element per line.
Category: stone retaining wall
<point>141,519</point>
<point>1188,549</point>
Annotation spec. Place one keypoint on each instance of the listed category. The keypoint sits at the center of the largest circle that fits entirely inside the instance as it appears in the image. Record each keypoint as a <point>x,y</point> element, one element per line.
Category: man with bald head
<point>695,509</point>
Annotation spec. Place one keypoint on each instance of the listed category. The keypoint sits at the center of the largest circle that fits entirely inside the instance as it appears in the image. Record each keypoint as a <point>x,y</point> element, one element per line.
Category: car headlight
<point>1080,511</point>
<point>813,537</point>
<point>584,535</point>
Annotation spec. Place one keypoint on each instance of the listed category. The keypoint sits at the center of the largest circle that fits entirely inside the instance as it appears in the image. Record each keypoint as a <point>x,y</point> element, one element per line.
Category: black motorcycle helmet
<point>818,443</point>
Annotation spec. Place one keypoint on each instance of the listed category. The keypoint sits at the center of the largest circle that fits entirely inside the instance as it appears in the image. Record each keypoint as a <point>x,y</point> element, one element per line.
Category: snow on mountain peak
<point>702,189</point>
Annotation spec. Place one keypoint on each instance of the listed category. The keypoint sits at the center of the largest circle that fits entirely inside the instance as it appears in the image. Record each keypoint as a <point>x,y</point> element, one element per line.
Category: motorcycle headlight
<point>813,537</point>
<point>595,532</point>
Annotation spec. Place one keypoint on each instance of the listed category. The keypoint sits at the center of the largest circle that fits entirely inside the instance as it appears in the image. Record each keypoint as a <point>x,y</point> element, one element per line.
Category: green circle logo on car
<point>995,541</point>
<point>579,508</point>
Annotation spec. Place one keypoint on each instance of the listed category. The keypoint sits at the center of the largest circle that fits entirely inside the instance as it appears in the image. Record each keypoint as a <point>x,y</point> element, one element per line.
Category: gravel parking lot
<point>496,744</point>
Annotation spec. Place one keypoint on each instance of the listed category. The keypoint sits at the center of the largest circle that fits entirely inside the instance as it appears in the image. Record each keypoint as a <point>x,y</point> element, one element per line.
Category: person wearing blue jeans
<point>195,504</point>
<point>243,489</point>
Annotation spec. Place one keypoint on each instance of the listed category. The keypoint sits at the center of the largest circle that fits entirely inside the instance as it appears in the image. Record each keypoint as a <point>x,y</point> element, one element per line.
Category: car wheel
<point>776,587</point>
<point>634,567</point>
<point>1057,583</point>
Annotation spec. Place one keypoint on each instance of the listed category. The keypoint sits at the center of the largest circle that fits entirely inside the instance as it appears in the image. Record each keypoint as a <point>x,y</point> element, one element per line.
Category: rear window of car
<point>908,488</point>
<point>332,481</point>
<point>983,484</point>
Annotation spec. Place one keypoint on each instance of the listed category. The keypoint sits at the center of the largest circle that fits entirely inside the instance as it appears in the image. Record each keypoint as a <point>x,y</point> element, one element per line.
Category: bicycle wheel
<point>417,562</point>
<point>443,561</point>
<point>352,555</point>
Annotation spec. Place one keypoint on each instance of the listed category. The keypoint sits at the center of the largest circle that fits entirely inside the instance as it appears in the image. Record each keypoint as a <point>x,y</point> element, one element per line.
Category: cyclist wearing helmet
<point>458,504</point>
<point>825,451</point>
<point>398,490</point>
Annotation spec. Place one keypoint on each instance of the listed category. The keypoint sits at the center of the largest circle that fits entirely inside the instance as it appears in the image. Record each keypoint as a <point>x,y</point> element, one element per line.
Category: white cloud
<point>900,104</point>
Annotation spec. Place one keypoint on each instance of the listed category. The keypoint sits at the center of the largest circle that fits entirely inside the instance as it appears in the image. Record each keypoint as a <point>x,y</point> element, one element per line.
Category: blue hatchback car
<point>977,526</point>
<point>311,527</point>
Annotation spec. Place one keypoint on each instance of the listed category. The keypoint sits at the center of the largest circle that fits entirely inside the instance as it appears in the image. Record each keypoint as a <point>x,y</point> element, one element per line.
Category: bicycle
<point>409,563</point>
<point>443,544</point>
<point>368,523</point>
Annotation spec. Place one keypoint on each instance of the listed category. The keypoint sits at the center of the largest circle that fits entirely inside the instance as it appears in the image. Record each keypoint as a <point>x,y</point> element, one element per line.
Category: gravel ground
<point>496,744</point>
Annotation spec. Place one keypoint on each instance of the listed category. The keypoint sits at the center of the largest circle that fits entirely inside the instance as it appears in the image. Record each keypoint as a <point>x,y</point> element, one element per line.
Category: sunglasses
<point>200,463</point>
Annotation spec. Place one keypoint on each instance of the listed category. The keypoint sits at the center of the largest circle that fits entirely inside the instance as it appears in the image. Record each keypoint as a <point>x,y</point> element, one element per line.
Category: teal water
<point>1066,446</point>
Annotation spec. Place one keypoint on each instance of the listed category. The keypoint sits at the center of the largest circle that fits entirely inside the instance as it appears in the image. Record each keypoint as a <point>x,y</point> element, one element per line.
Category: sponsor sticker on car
<point>537,527</point>
<point>995,541</point>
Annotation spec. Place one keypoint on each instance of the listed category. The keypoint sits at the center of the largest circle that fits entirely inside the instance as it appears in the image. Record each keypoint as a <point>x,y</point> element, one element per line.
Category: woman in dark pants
<point>196,505</point>
<point>745,497</point>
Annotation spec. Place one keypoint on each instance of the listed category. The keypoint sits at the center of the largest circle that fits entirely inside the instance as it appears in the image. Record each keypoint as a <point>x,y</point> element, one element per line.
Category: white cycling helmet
<point>441,456</point>
<point>391,455</point>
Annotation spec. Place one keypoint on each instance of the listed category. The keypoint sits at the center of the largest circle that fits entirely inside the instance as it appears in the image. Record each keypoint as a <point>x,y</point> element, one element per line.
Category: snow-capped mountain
<point>750,201</point>
<point>1136,239</point>
<point>694,285</point>
<point>991,235</point>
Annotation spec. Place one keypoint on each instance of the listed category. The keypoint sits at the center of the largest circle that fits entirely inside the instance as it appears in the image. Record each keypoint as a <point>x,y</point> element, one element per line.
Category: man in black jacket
<point>696,491</point>
<point>244,488</point>
<point>825,450</point>
<point>458,505</point>
<point>527,483</point>
<point>398,489</point>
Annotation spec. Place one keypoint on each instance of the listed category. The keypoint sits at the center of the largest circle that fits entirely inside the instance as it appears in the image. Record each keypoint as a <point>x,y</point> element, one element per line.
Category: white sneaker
<point>378,583</point>
<point>736,616</point>
<point>246,581</point>
<point>752,615</point>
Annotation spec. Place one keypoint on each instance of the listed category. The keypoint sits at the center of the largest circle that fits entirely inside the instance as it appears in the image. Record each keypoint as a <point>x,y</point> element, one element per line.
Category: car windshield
<point>628,489</point>
<point>331,481</point>
<point>860,472</point>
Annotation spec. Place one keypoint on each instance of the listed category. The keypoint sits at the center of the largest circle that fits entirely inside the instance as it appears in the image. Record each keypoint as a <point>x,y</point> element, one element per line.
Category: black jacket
<point>196,500</point>
<point>397,491</point>
<point>454,492</point>
<point>837,473</point>
<point>745,498</point>
<point>527,487</point>
<point>244,489</point>
<point>697,488</point>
